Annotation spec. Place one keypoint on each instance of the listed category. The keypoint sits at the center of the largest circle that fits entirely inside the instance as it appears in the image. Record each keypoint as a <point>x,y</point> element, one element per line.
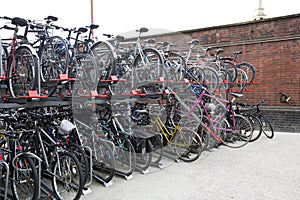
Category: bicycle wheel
<point>54,59</point>
<point>82,157</point>
<point>195,74</point>
<point>257,128</point>
<point>211,79</point>
<point>230,69</point>
<point>4,58</point>
<point>242,79</point>
<point>123,71</point>
<point>174,65</point>
<point>67,181</point>
<point>22,73</point>
<point>204,134</point>
<point>187,145</point>
<point>249,69</point>
<point>148,67</point>
<point>235,134</point>
<point>105,57</point>
<point>103,162</point>
<point>24,178</point>
<point>266,127</point>
<point>125,157</point>
<point>86,73</point>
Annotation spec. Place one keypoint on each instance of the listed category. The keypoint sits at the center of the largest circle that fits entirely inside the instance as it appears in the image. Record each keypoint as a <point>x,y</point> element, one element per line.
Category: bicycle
<point>110,129</point>
<point>22,62</point>
<point>59,167</point>
<point>52,52</point>
<point>266,126</point>
<point>102,150</point>
<point>61,129</point>
<point>4,173</point>
<point>255,121</point>
<point>145,63</point>
<point>82,71</point>
<point>21,171</point>
<point>219,121</point>
<point>240,74</point>
<point>196,69</point>
<point>183,142</point>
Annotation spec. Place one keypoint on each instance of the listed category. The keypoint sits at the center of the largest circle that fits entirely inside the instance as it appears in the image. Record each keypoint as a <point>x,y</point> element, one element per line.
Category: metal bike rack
<point>39,167</point>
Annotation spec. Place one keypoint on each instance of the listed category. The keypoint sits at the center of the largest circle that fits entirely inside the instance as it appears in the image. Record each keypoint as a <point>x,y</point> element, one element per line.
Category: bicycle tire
<point>266,127</point>
<point>157,148</point>
<point>242,79</point>
<point>105,56</point>
<point>54,60</point>
<point>257,127</point>
<point>204,134</point>
<point>23,75</point>
<point>86,74</point>
<point>4,59</point>
<point>67,181</point>
<point>249,69</point>
<point>27,188</point>
<point>238,135</point>
<point>230,69</point>
<point>187,145</point>
<point>211,79</point>
<point>174,65</point>
<point>82,157</point>
<point>103,162</point>
<point>148,68</point>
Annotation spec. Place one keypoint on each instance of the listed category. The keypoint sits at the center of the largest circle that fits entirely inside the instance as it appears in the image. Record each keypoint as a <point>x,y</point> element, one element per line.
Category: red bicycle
<point>22,61</point>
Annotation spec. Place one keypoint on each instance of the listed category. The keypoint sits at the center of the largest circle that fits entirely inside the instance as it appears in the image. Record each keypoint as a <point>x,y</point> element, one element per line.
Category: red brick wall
<point>271,45</point>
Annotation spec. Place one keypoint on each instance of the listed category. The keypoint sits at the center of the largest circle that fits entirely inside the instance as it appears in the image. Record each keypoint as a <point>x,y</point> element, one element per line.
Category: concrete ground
<point>265,169</point>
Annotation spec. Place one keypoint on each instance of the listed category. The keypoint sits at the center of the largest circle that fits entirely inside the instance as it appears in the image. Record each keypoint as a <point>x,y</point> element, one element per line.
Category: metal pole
<point>92,16</point>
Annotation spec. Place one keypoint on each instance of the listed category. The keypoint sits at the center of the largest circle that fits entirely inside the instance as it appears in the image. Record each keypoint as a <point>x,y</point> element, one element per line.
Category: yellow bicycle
<point>183,142</point>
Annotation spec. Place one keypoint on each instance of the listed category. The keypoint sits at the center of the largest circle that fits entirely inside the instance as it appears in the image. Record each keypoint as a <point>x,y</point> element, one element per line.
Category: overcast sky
<point>118,16</point>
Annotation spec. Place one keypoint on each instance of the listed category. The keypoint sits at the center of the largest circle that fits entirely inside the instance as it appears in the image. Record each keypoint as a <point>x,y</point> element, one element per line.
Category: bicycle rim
<point>25,179</point>
<point>211,79</point>
<point>67,180</point>
<point>187,145</point>
<point>257,128</point>
<point>148,67</point>
<point>22,73</point>
<point>267,127</point>
<point>236,137</point>
<point>82,157</point>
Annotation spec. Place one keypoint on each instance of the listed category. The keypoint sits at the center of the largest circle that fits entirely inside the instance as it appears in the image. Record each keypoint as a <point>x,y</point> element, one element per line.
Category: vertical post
<point>1,72</point>
<point>92,16</point>
<point>260,11</point>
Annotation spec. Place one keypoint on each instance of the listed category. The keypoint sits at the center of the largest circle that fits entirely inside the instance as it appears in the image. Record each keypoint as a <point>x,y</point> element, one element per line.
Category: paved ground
<point>265,169</point>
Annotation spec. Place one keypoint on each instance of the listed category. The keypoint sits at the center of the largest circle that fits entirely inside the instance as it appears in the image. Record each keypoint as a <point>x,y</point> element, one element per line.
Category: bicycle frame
<point>167,134</point>
<point>215,123</point>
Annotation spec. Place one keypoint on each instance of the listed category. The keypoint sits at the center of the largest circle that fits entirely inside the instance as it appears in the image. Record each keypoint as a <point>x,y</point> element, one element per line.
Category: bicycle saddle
<point>143,30</point>
<point>236,95</point>
<point>194,41</point>
<point>19,21</point>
